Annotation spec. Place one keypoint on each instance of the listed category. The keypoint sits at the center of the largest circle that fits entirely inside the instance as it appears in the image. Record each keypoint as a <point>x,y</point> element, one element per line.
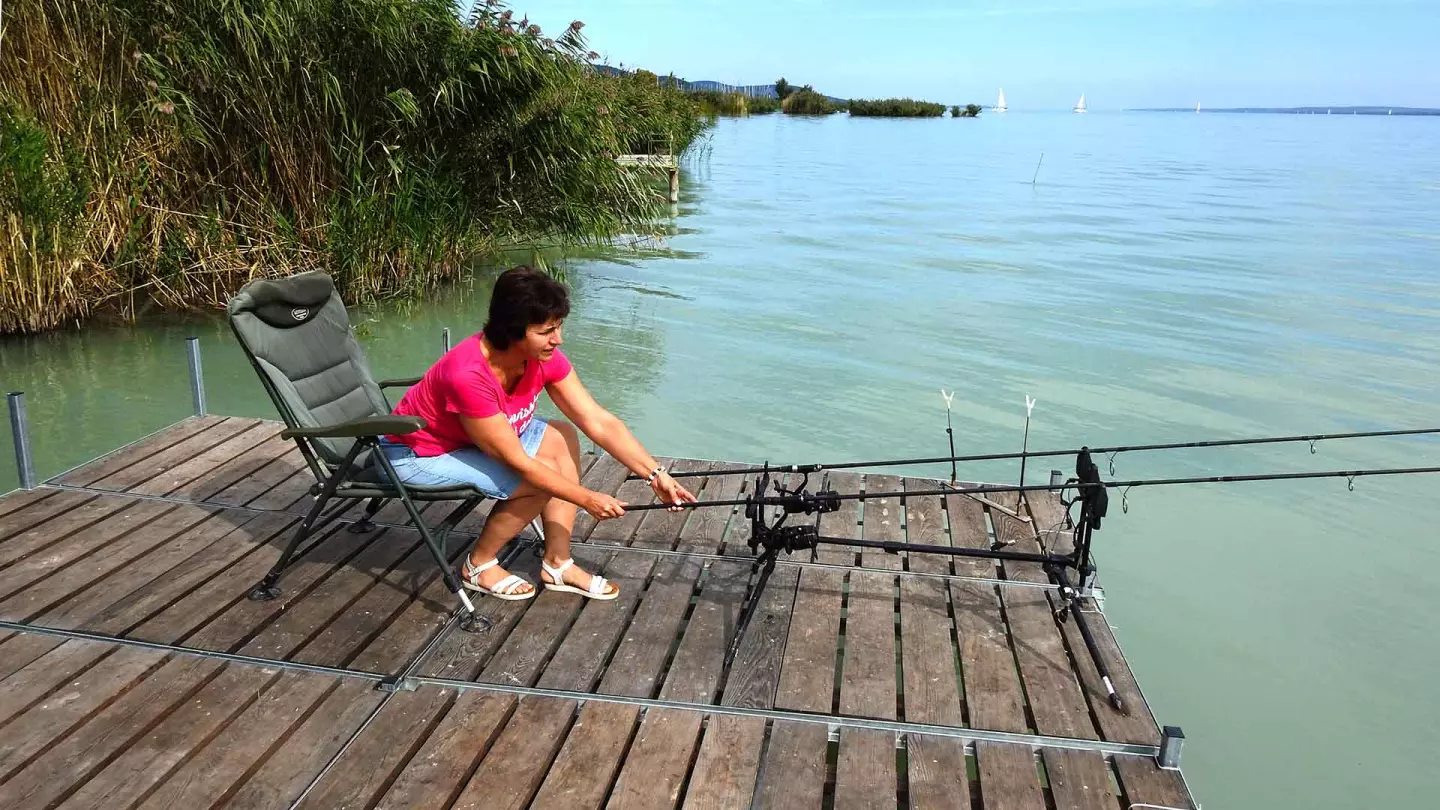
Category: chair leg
<point>364,525</point>
<point>470,621</point>
<point>267,589</point>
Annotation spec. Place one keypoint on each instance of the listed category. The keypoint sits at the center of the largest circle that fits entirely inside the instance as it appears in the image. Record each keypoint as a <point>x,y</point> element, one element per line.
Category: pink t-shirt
<point>462,384</point>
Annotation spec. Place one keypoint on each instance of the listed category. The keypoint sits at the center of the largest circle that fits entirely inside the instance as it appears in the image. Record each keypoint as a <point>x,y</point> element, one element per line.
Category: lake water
<point>1164,277</point>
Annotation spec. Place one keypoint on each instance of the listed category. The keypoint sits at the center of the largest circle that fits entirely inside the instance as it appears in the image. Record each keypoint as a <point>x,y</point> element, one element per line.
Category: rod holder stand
<point>197,375</point>
<point>20,430</point>
<point>1171,738</point>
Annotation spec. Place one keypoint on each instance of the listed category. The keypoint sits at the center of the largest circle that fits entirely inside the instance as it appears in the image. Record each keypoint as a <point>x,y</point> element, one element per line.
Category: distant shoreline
<point>1302,110</point>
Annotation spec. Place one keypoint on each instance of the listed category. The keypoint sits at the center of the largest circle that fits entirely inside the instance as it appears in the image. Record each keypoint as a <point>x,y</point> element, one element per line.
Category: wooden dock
<point>137,675</point>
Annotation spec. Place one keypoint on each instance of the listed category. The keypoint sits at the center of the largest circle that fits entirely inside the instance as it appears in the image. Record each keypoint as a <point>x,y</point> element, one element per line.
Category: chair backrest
<point>297,335</point>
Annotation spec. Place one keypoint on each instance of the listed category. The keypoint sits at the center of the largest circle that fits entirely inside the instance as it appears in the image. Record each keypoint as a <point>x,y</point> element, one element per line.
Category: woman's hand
<point>668,490</point>
<point>603,507</point>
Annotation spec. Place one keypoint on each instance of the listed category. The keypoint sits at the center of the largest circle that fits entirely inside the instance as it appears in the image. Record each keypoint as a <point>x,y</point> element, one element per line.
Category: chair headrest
<point>286,302</point>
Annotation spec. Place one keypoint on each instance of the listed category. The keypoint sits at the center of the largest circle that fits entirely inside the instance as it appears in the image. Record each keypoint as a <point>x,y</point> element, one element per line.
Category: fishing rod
<point>985,489</point>
<point>1132,448</point>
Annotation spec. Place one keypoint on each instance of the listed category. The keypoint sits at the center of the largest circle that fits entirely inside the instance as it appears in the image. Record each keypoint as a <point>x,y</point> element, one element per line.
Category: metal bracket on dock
<point>1171,738</point>
<point>397,684</point>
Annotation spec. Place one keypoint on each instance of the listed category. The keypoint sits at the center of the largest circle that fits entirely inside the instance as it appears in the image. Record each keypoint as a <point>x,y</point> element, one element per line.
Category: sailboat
<point>1080,105</point>
<point>1197,106</point>
<point>1000,105</point>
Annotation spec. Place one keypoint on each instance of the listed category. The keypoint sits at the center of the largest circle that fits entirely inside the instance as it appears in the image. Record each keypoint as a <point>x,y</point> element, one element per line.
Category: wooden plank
<point>1079,780</point>
<point>511,772</point>
<point>867,681</point>
<point>211,771</point>
<point>24,530</point>
<point>992,694</point>
<point>937,773</point>
<point>435,774</point>
<point>81,561</point>
<point>283,776</point>
<point>1144,782</point>
<point>927,648</point>
<point>173,456</point>
<point>139,451</point>
<point>658,761</point>
<point>728,764</point>
<point>807,666</point>
<point>884,520</point>
<point>23,499</point>
<point>585,768</point>
<point>755,671</point>
<point>577,664</point>
<point>1136,723</point>
<point>1051,684</point>
<point>261,480</point>
<point>865,773</point>
<point>66,537</point>
<point>1051,523</point>
<point>147,757</point>
<point>235,690</point>
<point>794,771</point>
<point>707,528</point>
<point>67,677</point>
<point>700,659</point>
<point>88,606</point>
<point>208,462</point>
<point>609,477</point>
<point>1008,777</point>
<point>663,529</point>
<point>237,469</point>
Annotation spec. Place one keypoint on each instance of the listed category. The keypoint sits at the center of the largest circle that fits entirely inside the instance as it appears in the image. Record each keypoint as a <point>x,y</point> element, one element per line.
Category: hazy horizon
<point>1044,53</point>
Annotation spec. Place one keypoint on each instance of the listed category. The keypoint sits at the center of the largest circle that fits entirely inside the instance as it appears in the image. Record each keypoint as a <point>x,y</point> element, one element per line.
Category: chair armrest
<point>370,426</point>
<point>403,382</point>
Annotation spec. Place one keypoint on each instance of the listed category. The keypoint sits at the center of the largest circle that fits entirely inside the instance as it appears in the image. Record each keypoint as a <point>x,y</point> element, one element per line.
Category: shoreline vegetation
<point>156,154</point>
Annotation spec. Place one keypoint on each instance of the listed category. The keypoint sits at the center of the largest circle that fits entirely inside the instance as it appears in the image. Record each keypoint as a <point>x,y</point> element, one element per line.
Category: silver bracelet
<point>653,473</point>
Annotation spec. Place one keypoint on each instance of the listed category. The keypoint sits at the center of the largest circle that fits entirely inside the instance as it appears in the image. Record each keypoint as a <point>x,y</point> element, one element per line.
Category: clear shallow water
<point>1168,277</point>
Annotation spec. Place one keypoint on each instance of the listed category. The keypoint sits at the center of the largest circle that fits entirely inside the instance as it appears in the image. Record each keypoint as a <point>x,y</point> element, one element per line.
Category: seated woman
<point>479,405</point>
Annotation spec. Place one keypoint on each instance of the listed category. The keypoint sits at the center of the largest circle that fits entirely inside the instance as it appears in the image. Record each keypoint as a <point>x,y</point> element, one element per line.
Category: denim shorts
<point>465,465</point>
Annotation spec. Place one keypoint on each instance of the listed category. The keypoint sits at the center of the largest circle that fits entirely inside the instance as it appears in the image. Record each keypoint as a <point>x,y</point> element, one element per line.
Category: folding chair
<point>298,337</point>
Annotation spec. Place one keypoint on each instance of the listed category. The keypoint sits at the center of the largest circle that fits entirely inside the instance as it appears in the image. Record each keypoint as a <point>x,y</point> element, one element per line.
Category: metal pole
<point>20,429</point>
<point>197,375</point>
<point>445,334</point>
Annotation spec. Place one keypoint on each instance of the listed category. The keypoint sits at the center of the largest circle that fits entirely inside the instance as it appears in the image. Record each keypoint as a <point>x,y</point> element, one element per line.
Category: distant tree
<point>783,89</point>
<point>972,110</point>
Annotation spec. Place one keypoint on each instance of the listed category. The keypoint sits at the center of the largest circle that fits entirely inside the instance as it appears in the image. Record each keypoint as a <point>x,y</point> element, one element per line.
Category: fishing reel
<point>774,536</point>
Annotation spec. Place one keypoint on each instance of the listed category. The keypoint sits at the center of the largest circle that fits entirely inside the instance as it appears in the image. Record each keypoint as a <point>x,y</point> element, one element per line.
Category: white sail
<point>1080,105</point>
<point>1000,105</point>
<point>1197,106</point>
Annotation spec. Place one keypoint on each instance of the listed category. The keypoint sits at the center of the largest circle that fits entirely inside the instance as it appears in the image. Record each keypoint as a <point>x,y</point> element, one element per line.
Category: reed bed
<point>163,152</point>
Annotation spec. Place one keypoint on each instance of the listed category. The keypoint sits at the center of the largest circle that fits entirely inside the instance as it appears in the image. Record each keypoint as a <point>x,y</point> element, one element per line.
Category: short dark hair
<point>523,296</point>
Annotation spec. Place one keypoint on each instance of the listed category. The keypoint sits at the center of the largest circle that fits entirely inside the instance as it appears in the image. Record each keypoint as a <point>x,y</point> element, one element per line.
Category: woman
<point>478,402</point>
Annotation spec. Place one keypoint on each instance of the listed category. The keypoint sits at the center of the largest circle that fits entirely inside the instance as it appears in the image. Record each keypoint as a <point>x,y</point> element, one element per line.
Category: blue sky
<point>1045,53</point>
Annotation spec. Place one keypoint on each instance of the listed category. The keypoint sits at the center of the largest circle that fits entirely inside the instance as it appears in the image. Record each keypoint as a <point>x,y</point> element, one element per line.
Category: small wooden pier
<point>666,162</point>
<point>134,673</point>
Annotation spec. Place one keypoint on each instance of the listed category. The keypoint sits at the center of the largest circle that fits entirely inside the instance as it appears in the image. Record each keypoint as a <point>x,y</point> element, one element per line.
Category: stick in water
<point>1037,169</point>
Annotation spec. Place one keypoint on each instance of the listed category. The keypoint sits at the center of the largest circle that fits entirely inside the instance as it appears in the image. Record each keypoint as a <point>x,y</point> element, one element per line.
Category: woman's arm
<point>612,436</point>
<point>495,438</point>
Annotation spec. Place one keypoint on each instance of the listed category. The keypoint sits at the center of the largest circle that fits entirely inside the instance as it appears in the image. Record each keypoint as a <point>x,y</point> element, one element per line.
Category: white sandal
<point>598,585</point>
<point>504,589</point>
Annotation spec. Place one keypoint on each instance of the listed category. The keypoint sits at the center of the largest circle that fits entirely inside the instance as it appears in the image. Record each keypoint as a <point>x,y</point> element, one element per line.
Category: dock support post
<point>20,429</point>
<point>1056,478</point>
<point>446,336</point>
<point>197,375</point>
<point>1170,739</point>
<point>675,185</point>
